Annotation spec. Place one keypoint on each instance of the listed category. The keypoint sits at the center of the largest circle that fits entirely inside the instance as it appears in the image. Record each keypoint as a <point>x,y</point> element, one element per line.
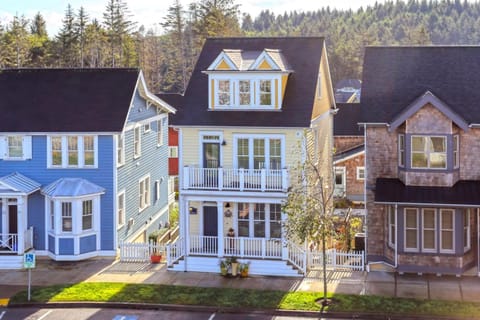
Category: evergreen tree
<point>16,43</point>
<point>80,30</point>
<point>67,40</point>
<point>39,42</point>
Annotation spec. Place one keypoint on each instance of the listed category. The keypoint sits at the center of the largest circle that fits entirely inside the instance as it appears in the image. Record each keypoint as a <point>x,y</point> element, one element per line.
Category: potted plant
<point>243,268</point>
<point>155,254</point>
<point>234,264</point>
<point>224,264</point>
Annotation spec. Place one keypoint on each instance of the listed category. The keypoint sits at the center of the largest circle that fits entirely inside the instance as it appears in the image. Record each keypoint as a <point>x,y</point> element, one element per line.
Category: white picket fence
<point>336,259</point>
<point>139,252</point>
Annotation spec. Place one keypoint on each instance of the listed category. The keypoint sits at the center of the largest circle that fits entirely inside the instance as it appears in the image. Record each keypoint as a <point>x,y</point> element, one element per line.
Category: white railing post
<point>168,253</point>
<point>186,183</point>
<point>220,179</point>
<point>241,174</point>
<point>263,179</point>
<point>284,180</point>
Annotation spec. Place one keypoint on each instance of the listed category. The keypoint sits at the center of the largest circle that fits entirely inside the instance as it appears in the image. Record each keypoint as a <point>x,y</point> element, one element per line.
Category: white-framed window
<point>340,181</point>
<point>52,216</point>
<point>392,225</point>
<point>259,152</point>
<point>146,127</point>
<point>15,147</point>
<point>72,151</point>
<point>259,220</point>
<point>144,193</point>
<point>466,230</point>
<point>137,142</point>
<point>265,96</point>
<point>243,220</point>
<point>160,132</point>
<point>411,229</point>
<point>87,215</point>
<point>447,230</point>
<point>401,150</point>
<point>456,151</point>
<point>245,92</point>
<point>275,221</point>
<point>224,93</point>
<point>120,150</point>
<point>72,142</point>
<point>173,152</point>
<point>360,173</point>
<point>121,208</point>
<point>429,230</point>
<point>429,152</point>
<point>67,223</point>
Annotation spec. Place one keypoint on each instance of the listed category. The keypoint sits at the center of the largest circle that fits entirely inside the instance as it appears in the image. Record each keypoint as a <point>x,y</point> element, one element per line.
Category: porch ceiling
<point>463,193</point>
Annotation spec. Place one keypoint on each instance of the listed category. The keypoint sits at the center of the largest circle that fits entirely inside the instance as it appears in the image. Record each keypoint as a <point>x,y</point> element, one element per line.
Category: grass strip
<point>243,298</point>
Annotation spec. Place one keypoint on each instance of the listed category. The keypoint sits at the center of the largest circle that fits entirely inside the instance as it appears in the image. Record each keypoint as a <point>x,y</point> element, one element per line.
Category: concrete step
<point>11,262</point>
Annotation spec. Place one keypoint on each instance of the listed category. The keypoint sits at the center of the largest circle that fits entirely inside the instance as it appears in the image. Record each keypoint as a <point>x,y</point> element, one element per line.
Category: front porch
<point>13,243</point>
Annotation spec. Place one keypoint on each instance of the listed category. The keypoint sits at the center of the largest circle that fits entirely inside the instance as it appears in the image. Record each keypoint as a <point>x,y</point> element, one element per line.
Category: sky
<point>150,13</point>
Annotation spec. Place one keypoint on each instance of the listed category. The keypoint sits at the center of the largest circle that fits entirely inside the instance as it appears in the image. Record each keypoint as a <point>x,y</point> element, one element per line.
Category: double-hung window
<point>259,220</point>
<point>253,152</point>
<point>72,151</point>
<point>401,150</point>
<point>275,221</point>
<point>411,229</point>
<point>265,92</point>
<point>144,193</point>
<point>15,147</point>
<point>67,217</point>
<point>120,150</point>
<point>466,230</point>
<point>429,152</point>
<point>121,209</point>
<point>429,237</point>
<point>243,220</point>
<point>160,132</point>
<point>87,214</point>
<point>392,226</point>
<point>224,94</point>
<point>137,144</point>
<point>456,152</point>
<point>245,94</point>
<point>447,231</point>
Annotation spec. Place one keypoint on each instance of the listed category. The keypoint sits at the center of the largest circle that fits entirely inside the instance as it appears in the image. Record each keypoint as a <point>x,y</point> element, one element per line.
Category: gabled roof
<point>242,60</point>
<point>72,187</point>
<point>18,183</point>
<point>345,121</point>
<point>394,77</point>
<point>348,154</point>
<point>68,100</point>
<point>302,53</point>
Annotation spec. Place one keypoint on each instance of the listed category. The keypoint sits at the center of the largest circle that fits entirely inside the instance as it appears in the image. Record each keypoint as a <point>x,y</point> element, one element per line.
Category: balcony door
<point>211,162</point>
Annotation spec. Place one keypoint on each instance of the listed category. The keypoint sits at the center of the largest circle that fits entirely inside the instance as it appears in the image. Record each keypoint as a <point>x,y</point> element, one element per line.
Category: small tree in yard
<point>309,205</point>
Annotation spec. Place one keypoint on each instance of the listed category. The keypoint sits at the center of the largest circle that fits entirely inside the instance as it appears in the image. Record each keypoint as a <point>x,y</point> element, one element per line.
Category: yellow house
<point>241,122</point>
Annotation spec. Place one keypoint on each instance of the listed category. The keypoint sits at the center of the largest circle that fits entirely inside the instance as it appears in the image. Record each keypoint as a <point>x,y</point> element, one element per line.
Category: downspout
<point>396,236</point>
<point>478,242</point>
<point>365,190</point>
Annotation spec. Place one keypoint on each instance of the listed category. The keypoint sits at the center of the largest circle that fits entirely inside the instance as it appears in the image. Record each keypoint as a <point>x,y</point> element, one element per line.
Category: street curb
<point>233,310</point>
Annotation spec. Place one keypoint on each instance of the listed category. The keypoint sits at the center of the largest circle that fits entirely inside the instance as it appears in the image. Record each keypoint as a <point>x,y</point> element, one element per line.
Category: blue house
<point>83,162</point>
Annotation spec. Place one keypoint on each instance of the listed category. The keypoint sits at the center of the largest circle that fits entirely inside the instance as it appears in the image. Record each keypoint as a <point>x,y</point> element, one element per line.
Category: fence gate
<point>139,252</point>
<point>354,260</point>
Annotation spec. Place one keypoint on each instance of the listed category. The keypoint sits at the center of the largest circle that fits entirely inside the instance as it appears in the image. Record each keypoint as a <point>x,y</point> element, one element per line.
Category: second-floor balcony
<point>234,179</point>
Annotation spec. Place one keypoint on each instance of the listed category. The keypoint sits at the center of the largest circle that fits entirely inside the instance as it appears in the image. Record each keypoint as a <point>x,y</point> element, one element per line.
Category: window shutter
<point>27,147</point>
<point>3,147</point>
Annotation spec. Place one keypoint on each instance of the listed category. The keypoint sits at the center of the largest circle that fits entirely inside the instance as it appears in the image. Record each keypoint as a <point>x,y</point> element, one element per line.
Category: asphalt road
<point>128,314</point>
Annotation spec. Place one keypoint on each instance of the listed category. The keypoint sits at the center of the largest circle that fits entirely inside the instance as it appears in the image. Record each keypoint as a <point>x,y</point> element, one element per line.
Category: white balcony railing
<point>235,179</point>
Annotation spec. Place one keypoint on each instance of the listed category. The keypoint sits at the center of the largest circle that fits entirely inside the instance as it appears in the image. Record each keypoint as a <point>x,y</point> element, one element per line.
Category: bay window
<point>66,217</point>
<point>87,214</point>
<point>401,150</point>
<point>429,152</point>
<point>456,149</point>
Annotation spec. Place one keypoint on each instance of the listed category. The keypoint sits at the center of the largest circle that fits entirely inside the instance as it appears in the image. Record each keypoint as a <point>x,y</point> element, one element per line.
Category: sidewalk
<point>349,282</point>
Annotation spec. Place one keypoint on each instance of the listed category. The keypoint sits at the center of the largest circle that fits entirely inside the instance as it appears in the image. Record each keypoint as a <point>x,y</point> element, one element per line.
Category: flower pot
<point>244,273</point>
<point>234,268</point>
<point>223,271</point>
<point>154,258</point>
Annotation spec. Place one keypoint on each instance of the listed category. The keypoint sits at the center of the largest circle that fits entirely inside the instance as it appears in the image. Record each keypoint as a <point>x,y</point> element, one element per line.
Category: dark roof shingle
<point>345,121</point>
<point>393,77</point>
<point>303,55</point>
<point>65,100</point>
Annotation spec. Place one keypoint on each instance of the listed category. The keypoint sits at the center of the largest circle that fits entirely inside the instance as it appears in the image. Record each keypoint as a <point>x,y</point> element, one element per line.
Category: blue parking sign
<point>29,260</point>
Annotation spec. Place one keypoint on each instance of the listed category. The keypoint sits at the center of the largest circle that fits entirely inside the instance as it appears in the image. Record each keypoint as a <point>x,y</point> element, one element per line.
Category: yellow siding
<point>192,148</point>
<point>223,66</point>
<point>212,93</point>
<point>264,66</point>
<point>324,102</point>
<point>284,85</point>
<point>194,219</point>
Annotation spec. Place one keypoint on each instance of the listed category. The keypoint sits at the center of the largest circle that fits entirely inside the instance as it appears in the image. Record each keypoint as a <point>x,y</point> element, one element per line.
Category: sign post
<point>29,263</point>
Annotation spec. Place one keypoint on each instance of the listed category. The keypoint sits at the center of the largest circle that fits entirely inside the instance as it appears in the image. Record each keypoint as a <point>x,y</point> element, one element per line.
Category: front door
<point>12,219</point>
<point>211,162</point>
<point>210,229</point>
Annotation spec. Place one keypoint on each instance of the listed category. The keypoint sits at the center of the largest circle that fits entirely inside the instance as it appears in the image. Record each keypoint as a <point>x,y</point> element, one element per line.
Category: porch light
<point>228,213</point>
<point>192,210</point>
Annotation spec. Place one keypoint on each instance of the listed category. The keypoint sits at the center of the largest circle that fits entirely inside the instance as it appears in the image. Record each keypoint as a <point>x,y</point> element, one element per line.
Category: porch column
<point>4,218</point>
<point>184,222</point>
<point>21,222</point>
<point>221,243</point>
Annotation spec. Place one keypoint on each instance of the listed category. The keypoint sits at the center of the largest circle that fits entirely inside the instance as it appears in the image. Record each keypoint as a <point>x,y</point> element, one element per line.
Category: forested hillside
<point>168,58</point>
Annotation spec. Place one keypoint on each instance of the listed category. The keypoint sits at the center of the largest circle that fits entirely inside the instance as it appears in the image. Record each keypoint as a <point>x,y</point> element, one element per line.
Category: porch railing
<point>28,239</point>
<point>235,179</point>
<point>175,251</point>
<point>139,252</point>
<point>8,243</point>
<point>297,256</point>
<point>236,246</point>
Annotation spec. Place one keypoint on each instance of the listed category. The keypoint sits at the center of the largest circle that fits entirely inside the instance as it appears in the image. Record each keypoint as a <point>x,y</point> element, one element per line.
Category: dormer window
<point>429,152</point>
<point>247,80</point>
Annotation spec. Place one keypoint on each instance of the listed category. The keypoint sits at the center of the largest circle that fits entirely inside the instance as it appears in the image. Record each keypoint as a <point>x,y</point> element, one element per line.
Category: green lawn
<point>243,298</point>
